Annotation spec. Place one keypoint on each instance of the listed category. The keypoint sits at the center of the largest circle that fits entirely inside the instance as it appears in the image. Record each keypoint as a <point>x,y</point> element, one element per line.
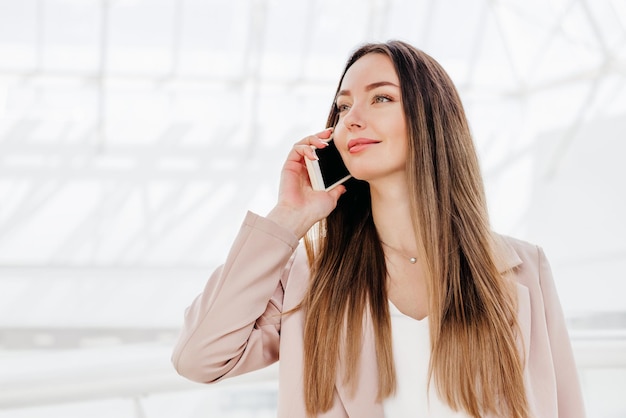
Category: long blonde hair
<point>475,363</point>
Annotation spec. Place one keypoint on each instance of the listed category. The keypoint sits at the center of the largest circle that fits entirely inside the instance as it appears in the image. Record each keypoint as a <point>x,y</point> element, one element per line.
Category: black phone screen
<point>331,165</point>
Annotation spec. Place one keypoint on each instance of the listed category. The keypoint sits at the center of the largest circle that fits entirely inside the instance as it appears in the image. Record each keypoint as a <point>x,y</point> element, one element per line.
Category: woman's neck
<point>391,212</point>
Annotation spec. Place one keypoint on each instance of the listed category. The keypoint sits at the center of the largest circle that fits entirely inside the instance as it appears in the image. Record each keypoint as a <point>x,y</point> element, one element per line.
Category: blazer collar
<point>506,258</point>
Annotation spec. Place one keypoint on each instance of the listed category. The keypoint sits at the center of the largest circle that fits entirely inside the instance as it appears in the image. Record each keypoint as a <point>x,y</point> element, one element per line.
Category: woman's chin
<point>367,174</point>
<point>363,173</point>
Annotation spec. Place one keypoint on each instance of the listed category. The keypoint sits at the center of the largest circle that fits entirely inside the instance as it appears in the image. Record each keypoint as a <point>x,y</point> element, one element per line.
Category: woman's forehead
<point>372,68</point>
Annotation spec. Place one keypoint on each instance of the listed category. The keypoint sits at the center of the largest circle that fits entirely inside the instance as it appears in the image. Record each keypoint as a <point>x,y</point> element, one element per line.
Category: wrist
<point>290,219</point>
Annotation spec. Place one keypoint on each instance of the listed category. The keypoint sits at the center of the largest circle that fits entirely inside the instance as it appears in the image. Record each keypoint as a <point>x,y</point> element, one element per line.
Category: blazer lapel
<point>507,260</point>
<point>362,403</point>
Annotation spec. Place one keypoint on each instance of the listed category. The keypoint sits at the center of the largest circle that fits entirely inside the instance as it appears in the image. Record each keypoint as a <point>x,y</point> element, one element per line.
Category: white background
<point>135,134</point>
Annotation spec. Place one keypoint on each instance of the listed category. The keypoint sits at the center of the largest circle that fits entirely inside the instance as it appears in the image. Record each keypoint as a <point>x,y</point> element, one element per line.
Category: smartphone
<point>329,170</point>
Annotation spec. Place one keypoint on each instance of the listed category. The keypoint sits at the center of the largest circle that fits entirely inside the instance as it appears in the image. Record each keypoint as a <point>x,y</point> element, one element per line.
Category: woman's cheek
<point>340,138</point>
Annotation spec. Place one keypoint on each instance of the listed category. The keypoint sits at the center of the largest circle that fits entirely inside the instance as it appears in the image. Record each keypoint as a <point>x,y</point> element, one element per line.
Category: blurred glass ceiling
<point>135,134</point>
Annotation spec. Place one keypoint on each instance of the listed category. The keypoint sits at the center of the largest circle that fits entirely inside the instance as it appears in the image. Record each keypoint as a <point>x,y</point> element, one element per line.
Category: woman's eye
<point>342,107</point>
<point>382,99</point>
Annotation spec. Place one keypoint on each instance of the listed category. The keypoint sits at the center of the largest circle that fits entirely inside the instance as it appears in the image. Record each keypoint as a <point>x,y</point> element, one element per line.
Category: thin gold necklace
<point>412,260</point>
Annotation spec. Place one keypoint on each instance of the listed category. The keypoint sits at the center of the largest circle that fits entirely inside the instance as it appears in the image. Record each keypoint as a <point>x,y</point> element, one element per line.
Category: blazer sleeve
<point>570,399</point>
<point>233,326</point>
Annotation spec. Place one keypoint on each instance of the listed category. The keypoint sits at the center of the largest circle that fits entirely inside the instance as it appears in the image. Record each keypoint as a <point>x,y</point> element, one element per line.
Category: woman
<point>404,301</point>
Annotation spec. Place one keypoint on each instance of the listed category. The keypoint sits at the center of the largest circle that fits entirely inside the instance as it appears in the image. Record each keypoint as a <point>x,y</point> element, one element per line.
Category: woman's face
<point>371,132</point>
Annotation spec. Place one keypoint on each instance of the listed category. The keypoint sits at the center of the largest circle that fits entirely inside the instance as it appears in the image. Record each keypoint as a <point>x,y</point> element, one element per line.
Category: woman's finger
<point>318,140</point>
<point>300,151</point>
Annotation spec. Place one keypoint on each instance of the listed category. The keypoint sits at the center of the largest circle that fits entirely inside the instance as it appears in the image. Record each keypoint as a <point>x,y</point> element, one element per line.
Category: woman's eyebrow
<point>369,87</point>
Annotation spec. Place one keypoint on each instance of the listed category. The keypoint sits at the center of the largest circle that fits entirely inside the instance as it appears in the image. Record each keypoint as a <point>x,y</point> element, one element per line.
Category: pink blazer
<point>235,326</point>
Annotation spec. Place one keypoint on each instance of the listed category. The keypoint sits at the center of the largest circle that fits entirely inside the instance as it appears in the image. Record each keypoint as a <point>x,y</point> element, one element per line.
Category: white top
<point>411,351</point>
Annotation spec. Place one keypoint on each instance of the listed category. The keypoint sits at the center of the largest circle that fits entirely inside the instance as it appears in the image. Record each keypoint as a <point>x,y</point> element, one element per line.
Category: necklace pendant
<point>412,260</point>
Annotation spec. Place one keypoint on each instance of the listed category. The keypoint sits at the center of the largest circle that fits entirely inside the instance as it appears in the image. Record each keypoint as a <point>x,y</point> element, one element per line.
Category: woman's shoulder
<point>526,251</point>
<point>518,244</point>
<point>525,260</point>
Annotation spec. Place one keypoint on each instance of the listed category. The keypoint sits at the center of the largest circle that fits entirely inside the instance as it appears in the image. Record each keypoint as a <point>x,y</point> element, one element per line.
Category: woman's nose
<point>354,118</point>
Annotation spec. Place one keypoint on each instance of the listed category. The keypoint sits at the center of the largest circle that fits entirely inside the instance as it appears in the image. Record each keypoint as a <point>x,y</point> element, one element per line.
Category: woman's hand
<point>299,207</point>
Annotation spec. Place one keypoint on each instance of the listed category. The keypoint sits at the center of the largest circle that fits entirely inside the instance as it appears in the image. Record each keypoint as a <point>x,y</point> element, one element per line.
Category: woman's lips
<point>359,144</point>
